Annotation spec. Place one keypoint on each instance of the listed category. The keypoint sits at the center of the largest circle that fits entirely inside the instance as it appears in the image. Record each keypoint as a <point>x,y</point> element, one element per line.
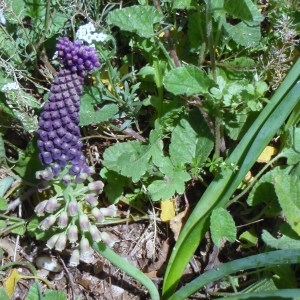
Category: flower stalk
<point>72,212</point>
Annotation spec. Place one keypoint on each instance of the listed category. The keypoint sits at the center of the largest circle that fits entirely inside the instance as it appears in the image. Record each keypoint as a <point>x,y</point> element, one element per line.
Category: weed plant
<point>139,103</point>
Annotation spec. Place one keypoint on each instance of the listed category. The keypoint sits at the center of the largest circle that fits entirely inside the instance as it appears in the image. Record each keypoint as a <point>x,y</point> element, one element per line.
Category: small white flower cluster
<point>87,33</point>
<point>2,17</point>
<point>11,86</point>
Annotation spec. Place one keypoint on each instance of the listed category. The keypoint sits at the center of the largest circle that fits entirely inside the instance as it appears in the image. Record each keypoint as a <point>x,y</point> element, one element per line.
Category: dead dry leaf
<point>167,210</point>
<point>11,282</point>
<point>177,222</point>
<point>267,154</point>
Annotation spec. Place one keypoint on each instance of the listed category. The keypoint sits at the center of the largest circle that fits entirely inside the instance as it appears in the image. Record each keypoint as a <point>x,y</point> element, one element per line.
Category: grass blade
<point>224,185</point>
<point>268,295</point>
<point>128,268</point>
<point>272,258</point>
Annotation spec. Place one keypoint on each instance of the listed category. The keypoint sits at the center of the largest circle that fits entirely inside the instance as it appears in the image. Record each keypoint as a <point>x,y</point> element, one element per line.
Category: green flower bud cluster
<point>71,216</point>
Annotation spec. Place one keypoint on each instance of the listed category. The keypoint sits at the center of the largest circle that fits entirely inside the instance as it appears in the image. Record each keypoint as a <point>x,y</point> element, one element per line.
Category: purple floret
<point>77,57</point>
<point>59,134</point>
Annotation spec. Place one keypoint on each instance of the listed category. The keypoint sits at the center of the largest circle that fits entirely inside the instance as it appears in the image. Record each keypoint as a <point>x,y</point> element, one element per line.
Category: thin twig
<point>70,277</point>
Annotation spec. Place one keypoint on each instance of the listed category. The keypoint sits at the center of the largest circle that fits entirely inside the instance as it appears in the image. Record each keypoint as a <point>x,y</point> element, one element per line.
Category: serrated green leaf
<point>191,139</point>
<point>137,19</point>
<point>287,189</point>
<point>174,181</point>
<point>243,9</point>
<point>187,80</point>
<point>284,242</point>
<point>89,115</point>
<point>244,34</point>
<point>222,226</point>
<point>131,159</point>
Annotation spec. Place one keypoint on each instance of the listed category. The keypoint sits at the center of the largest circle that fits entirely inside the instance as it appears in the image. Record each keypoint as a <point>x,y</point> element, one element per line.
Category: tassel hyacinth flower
<point>71,213</point>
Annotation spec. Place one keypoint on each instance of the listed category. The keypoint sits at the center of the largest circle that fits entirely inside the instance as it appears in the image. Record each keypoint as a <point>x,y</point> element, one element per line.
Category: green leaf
<point>34,292</point>
<point>263,191</point>
<point>264,284</point>
<point>57,295</point>
<point>248,239</point>
<point>3,294</point>
<point>243,9</point>
<point>184,4</point>
<point>3,225</point>
<point>89,114</point>
<point>115,184</point>
<point>287,189</point>
<point>291,149</point>
<point>137,19</point>
<point>174,181</point>
<point>284,242</point>
<point>131,159</point>
<point>3,204</point>
<point>244,34</point>
<point>29,123</point>
<point>196,27</point>
<point>28,162</point>
<point>187,80</point>
<point>19,228</point>
<point>16,11</point>
<point>19,102</point>
<point>191,139</point>
<point>222,227</point>
<point>281,294</point>
<point>8,47</point>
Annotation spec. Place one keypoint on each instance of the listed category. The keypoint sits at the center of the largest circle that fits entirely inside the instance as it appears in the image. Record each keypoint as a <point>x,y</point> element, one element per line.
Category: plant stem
<point>219,144</point>
<point>169,39</point>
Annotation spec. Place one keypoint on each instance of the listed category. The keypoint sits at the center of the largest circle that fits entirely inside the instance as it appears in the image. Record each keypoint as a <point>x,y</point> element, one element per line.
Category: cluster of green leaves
<point>181,141</point>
